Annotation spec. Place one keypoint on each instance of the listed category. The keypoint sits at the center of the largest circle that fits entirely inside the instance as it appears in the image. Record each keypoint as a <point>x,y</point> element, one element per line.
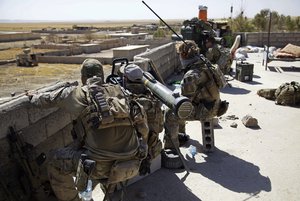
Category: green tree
<point>281,22</point>
<point>260,20</point>
<point>242,24</point>
<point>290,23</point>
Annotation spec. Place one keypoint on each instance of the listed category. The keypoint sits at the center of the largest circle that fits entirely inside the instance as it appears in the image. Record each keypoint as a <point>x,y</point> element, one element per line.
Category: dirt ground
<point>247,164</point>
<point>17,79</point>
<point>12,52</point>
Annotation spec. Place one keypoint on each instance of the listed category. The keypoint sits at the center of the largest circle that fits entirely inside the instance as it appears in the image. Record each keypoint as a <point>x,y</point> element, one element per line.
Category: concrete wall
<point>129,51</point>
<point>45,129</point>
<point>71,60</point>
<point>277,39</point>
<point>111,43</point>
<point>153,43</point>
<point>164,57</point>
<point>9,37</point>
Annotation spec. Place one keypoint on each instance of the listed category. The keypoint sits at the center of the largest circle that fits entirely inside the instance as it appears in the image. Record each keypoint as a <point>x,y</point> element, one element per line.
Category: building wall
<point>277,39</point>
<point>10,37</point>
<point>71,60</point>
<point>43,128</point>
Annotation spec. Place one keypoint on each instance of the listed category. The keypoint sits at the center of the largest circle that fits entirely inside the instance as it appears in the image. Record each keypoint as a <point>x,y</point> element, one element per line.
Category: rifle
<point>23,152</point>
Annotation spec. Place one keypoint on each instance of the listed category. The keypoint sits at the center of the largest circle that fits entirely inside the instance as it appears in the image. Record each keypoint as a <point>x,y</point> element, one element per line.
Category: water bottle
<point>193,150</point>
<point>87,194</point>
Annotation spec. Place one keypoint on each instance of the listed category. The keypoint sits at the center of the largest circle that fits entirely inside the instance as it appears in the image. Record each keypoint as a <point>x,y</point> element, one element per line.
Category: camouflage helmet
<point>188,50</point>
<point>92,67</point>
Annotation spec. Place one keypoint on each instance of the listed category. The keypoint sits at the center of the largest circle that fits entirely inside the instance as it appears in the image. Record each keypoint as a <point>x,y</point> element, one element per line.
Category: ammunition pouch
<point>123,170</point>
<point>155,117</point>
<point>154,144</point>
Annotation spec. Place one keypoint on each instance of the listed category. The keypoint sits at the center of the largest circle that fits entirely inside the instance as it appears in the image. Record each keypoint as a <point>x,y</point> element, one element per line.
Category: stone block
<point>17,118</point>
<point>54,142</point>
<point>35,133</point>
<point>56,121</point>
<point>35,114</point>
<point>66,134</point>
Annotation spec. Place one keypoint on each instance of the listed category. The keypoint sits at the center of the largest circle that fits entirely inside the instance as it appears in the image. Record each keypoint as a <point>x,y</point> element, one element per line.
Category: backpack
<point>225,61</point>
<point>107,105</point>
<point>288,94</point>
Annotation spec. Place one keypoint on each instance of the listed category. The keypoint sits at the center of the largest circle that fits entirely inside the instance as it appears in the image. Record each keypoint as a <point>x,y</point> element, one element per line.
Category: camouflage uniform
<point>153,110</point>
<point>200,87</point>
<point>106,144</point>
<point>220,56</point>
<point>213,54</point>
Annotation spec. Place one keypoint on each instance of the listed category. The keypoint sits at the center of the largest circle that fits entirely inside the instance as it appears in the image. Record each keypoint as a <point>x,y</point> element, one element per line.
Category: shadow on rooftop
<point>231,172</point>
<point>234,90</point>
<point>163,185</point>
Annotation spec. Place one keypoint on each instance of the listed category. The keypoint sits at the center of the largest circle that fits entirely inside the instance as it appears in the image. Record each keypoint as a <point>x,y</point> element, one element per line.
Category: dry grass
<point>12,52</point>
<point>17,79</point>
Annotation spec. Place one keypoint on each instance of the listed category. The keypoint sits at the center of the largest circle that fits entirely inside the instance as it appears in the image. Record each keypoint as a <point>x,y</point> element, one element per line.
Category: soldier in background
<point>112,130</point>
<point>201,87</point>
<point>155,116</point>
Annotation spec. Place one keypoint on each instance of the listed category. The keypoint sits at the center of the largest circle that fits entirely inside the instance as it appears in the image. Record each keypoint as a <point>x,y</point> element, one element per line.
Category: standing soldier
<point>152,106</point>
<point>201,86</point>
<point>113,130</point>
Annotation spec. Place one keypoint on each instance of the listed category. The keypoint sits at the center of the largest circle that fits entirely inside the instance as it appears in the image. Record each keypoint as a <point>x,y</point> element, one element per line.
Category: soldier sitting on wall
<point>112,130</point>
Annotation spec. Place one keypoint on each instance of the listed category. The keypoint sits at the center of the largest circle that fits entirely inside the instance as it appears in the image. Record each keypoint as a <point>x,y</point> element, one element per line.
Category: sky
<point>102,10</point>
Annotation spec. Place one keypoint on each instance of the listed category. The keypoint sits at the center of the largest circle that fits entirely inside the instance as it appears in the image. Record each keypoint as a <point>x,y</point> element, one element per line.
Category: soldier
<point>201,86</point>
<point>152,106</point>
<point>111,127</point>
<point>218,55</point>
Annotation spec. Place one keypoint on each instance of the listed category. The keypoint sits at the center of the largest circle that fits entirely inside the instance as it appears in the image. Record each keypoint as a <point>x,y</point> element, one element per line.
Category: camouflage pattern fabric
<point>105,146</point>
<point>187,50</point>
<point>267,93</point>
<point>199,86</point>
<point>220,56</point>
<point>285,94</point>
<point>288,94</point>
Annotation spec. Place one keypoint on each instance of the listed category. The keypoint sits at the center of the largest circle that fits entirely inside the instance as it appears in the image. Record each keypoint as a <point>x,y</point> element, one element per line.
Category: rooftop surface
<point>247,164</point>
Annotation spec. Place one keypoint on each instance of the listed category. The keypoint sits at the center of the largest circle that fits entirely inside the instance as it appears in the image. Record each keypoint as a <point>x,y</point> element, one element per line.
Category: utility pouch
<point>123,170</point>
<point>84,170</point>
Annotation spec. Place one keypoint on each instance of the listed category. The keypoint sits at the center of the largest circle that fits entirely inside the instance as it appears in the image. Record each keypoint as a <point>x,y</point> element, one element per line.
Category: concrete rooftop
<point>248,164</point>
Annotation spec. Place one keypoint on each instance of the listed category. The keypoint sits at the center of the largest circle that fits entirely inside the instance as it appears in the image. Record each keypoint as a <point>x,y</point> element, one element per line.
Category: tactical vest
<point>107,106</point>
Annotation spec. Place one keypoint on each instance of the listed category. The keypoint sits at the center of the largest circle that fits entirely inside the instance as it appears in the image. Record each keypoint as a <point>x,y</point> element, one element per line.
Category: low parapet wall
<point>10,37</point>
<point>277,39</point>
<point>164,57</point>
<point>44,129</point>
<point>71,60</point>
